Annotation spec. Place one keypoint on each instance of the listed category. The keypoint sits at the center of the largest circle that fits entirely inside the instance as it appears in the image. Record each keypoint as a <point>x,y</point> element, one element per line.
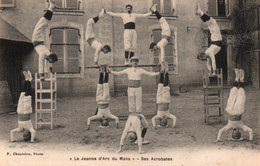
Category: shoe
<point>101,14</point>
<point>25,75</point>
<point>212,74</point>
<point>166,67</point>
<point>153,8</point>
<point>29,76</point>
<point>162,67</point>
<point>241,75</point>
<point>143,142</point>
<point>237,73</point>
<point>52,4</point>
<point>198,10</point>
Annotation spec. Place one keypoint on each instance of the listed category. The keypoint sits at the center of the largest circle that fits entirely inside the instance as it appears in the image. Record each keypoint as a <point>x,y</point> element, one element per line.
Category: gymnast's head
<point>106,49</point>
<point>129,8</point>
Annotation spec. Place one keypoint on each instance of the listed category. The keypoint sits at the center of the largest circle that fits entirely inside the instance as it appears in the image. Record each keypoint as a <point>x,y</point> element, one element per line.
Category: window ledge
<point>68,12</point>
<point>222,19</point>
<point>61,75</point>
<point>167,17</point>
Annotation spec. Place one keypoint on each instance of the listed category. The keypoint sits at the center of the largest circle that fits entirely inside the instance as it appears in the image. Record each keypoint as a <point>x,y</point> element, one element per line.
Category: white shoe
<point>166,67</point>
<point>29,76</point>
<point>241,75</point>
<point>153,8</point>
<point>237,74</point>
<point>198,10</point>
<point>101,14</point>
<point>52,4</point>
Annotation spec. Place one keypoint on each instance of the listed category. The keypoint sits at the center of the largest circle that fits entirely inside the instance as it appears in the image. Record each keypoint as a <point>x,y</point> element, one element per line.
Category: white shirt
<point>134,73</point>
<point>214,30</point>
<point>133,123</point>
<point>24,104</point>
<point>166,30</point>
<point>39,30</point>
<point>128,17</point>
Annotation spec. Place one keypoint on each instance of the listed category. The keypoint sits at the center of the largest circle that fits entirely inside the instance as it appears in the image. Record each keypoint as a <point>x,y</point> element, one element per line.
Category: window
<point>65,42</point>
<point>165,6</point>
<point>7,3</point>
<point>170,50</point>
<point>219,8</point>
<point>68,4</point>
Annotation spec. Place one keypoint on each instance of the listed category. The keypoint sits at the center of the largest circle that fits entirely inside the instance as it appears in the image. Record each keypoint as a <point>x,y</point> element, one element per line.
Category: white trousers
<point>23,125</point>
<point>211,52</point>
<point>130,40</point>
<point>102,94</point>
<point>236,101</point>
<point>135,99</point>
<point>163,94</point>
<point>43,52</point>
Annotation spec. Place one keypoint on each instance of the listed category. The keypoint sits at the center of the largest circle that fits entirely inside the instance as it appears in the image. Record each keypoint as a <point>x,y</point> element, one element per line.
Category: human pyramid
<point>136,125</point>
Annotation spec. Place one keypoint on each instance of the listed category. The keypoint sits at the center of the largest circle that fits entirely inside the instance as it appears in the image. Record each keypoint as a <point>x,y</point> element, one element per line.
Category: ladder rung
<point>45,90</point>
<point>45,110</point>
<point>44,123</point>
<point>45,100</point>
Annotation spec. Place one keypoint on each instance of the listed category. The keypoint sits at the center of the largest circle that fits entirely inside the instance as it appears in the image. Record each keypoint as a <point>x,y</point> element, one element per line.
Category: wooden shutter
<point>59,3</point>
<point>73,50</point>
<point>7,3</point>
<point>212,7</point>
<point>72,4</point>
<point>167,7</point>
<point>158,7</point>
<point>221,8</point>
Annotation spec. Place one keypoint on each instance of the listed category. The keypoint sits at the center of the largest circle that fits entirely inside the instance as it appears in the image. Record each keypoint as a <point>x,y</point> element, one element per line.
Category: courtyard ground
<point>192,142</point>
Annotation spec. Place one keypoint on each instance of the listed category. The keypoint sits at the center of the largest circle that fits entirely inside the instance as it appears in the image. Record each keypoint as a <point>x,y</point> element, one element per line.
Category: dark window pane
<point>157,35</point>
<point>72,36</point>
<point>57,36</point>
<point>7,2</point>
<point>58,66</point>
<point>221,8</point>
<point>58,3</point>
<point>58,50</point>
<point>167,7</point>
<point>212,7</point>
<point>158,8</point>
<point>73,65</point>
<point>72,4</point>
<point>73,51</point>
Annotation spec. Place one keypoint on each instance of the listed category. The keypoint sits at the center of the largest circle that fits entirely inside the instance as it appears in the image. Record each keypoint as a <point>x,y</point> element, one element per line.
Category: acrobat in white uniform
<point>163,99</point>
<point>90,38</point>
<point>130,36</point>
<point>102,99</point>
<point>24,110</point>
<point>216,41</point>
<point>38,37</point>
<point>166,35</point>
<point>236,106</point>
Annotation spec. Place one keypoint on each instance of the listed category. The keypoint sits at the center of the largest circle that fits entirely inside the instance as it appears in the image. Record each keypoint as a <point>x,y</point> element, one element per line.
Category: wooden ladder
<point>45,100</point>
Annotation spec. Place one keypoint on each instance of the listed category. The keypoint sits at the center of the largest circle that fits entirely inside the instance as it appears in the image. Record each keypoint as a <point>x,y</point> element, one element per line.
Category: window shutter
<point>158,7</point>
<point>221,8</point>
<point>167,7</point>
<point>169,53</point>
<point>58,3</point>
<point>212,7</point>
<point>72,36</point>
<point>72,4</point>
<point>7,3</point>
<point>59,51</point>
<point>57,36</point>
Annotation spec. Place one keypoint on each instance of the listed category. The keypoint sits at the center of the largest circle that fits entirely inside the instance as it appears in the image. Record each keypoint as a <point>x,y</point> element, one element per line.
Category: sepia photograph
<point>130,82</point>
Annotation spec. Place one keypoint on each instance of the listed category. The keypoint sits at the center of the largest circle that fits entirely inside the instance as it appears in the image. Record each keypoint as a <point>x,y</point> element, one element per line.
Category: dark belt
<point>218,43</point>
<point>103,106</point>
<point>90,41</point>
<point>234,117</point>
<point>163,106</point>
<point>36,43</point>
<point>24,117</point>
<point>166,37</point>
<point>129,25</point>
<point>134,83</point>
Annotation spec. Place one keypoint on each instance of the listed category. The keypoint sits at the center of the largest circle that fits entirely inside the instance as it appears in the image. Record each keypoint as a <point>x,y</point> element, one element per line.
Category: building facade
<point>65,36</point>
